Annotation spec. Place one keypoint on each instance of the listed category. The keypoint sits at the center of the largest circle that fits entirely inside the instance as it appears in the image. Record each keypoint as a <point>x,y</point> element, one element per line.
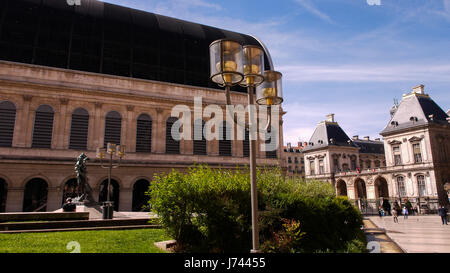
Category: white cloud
<point>307,5</point>
<point>366,73</point>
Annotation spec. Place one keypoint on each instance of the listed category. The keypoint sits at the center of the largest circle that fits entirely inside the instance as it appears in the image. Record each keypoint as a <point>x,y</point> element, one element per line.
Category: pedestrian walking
<point>394,214</point>
<point>379,211</point>
<point>443,213</point>
<point>405,213</point>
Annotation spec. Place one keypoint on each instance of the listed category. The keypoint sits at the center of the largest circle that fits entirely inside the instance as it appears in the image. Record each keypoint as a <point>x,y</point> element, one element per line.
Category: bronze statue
<point>83,185</point>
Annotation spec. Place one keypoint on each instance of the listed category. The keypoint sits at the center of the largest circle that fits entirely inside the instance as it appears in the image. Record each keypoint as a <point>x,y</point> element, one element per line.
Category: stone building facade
<point>411,163</point>
<point>51,113</point>
<point>294,162</point>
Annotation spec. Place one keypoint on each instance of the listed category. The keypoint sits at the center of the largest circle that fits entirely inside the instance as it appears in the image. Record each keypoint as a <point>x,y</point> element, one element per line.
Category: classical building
<point>73,79</point>
<point>292,157</point>
<point>411,163</point>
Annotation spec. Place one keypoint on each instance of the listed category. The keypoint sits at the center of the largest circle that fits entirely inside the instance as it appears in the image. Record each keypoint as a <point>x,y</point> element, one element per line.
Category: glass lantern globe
<point>270,92</point>
<point>253,64</point>
<point>226,62</point>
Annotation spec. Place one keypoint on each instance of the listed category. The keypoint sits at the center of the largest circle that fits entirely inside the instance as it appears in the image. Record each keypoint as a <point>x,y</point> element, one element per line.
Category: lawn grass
<point>98,241</point>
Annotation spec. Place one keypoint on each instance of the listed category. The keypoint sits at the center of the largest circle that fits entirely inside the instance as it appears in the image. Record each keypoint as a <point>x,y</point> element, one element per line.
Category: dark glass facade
<point>109,39</point>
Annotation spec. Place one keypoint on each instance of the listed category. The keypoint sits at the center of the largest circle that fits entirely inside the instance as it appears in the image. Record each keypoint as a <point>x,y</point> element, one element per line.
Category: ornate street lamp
<point>232,64</point>
<point>270,92</point>
<point>226,64</point>
<point>112,150</point>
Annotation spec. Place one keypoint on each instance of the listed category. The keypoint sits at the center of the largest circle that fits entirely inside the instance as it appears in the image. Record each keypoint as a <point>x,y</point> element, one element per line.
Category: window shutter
<point>172,145</point>
<point>225,145</point>
<point>43,127</point>
<point>271,151</point>
<point>246,144</point>
<point>144,134</point>
<point>199,138</point>
<point>113,128</point>
<point>7,121</point>
<point>79,129</point>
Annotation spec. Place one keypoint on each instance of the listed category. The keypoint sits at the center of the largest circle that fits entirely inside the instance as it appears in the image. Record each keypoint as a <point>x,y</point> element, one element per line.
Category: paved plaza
<point>417,234</point>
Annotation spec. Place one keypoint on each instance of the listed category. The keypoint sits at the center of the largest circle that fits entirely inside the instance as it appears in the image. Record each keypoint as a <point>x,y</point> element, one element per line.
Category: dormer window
<point>394,123</point>
<point>413,119</point>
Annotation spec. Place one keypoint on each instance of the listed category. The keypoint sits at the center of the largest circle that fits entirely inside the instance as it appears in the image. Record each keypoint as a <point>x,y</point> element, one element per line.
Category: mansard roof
<point>370,146</point>
<point>109,39</point>
<point>329,133</point>
<point>415,109</point>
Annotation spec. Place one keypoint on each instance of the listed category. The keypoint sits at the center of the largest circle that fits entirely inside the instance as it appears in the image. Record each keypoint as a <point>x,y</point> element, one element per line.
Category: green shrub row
<point>209,210</point>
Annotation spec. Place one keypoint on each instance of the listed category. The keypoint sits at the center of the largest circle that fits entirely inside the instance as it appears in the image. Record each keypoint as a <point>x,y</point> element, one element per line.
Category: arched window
<point>345,167</point>
<point>140,198</point>
<point>79,128</point>
<point>421,185</point>
<point>377,164</point>
<point>361,191</point>
<point>113,128</point>
<point>3,193</point>
<point>225,145</point>
<point>35,196</point>
<point>199,138</point>
<point>341,188</point>
<point>114,192</point>
<point>7,121</point>
<point>43,127</point>
<point>144,134</point>
<point>401,186</point>
<point>172,145</point>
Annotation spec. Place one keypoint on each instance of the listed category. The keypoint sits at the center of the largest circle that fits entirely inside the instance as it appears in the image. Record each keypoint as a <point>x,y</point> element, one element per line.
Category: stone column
<point>351,191</point>
<point>27,121</point>
<point>14,199</point>
<point>98,127</point>
<point>21,123</point>
<point>54,198</point>
<point>126,199</point>
<point>370,188</point>
<point>60,125</point>
<point>159,133</point>
<point>129,130</point>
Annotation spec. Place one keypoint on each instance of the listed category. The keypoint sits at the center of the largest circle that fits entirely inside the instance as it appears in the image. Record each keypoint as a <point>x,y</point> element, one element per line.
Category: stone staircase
<point>78,225</point>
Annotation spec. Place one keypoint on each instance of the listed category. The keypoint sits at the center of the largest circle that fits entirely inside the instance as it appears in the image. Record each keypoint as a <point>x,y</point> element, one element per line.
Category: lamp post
<point>112,150</point>
<point>233,64</point>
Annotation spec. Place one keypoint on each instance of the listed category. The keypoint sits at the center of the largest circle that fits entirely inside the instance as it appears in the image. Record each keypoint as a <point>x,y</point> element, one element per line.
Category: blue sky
<point>344,57</point>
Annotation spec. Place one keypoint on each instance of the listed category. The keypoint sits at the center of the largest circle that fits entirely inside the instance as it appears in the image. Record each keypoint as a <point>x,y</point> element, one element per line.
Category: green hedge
<point>209,210</point>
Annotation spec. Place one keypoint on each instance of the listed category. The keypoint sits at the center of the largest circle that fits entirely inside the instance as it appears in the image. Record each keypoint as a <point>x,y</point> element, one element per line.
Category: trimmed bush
<point>209,210</point>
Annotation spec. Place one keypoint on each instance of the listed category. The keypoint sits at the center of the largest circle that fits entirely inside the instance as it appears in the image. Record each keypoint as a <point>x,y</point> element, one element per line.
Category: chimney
<point>305,144</point>
<point>289,145</point>
<point>330,117</point>
<point>419,89</point>
<point>366,138</point>
<point>355,137</point>
<point>377,139</point>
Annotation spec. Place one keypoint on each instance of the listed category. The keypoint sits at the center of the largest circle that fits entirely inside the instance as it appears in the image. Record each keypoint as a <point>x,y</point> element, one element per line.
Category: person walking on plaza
<point>379,211</point>
<point>405,213</point>
<point>443,213</point>
<point>394,214</point>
